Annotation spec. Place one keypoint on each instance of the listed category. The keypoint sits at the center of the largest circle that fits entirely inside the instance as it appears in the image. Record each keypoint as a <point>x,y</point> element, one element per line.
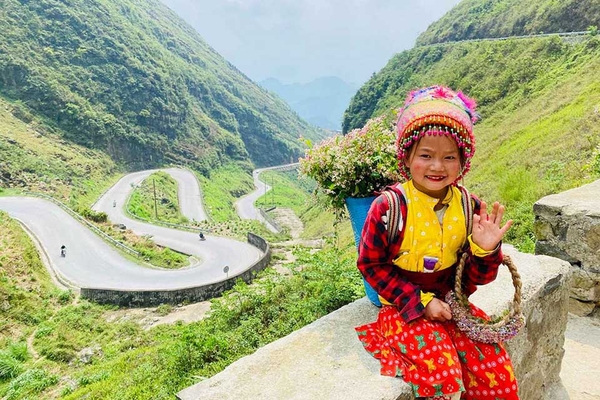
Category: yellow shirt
<point>426,238</point>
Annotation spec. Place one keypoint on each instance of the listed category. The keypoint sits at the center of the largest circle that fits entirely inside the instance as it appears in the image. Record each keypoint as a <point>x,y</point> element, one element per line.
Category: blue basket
<point>358,207</point>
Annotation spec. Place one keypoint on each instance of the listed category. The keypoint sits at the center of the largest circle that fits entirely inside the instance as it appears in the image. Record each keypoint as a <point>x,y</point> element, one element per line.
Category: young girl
<point>414,336</point>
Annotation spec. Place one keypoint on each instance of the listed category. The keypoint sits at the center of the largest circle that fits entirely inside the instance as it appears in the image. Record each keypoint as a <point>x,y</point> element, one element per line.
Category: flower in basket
<point>357,164</point>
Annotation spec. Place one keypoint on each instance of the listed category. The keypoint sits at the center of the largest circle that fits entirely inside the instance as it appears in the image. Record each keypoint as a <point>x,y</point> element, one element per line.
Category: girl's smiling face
<point>434,164</point>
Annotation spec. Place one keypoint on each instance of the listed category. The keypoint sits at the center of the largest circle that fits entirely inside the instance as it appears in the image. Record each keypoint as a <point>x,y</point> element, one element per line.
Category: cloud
<point>304,39</point>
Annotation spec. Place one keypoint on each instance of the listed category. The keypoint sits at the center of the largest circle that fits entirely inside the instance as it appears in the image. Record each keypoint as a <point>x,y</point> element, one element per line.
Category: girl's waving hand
<point>488,230</point>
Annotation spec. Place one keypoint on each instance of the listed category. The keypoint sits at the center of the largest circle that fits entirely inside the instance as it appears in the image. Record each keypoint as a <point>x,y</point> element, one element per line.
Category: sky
<point>296,41</point>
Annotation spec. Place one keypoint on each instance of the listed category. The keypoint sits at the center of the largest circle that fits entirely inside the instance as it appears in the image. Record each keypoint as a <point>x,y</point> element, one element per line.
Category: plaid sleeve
<point>375,256</point>
<point>481,270</point>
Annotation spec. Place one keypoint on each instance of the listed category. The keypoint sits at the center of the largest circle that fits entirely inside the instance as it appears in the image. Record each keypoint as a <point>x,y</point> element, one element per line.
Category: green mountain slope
<point>539,99</point>
<point>476,19</point>
<point>130,78</point>
<point>35,158</point>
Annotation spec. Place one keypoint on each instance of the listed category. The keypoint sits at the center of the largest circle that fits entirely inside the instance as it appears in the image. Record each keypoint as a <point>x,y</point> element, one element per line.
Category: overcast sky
<point>300,40</point>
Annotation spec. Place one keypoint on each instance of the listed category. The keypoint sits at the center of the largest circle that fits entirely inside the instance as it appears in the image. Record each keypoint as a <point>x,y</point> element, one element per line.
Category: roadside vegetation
<point>155,199</point>
<point>294,191</point>
<point>34,157</point>
<point>222,188</point>
<point>476,19</point>
<point>76,351</point>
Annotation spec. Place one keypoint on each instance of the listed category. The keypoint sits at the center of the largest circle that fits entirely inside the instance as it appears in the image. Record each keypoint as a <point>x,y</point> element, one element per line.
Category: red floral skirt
<point>437,359</point>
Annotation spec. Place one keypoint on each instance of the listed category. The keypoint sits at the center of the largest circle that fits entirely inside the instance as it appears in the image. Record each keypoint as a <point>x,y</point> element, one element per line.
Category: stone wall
<point>567,226</point>
<point>326,361</point>
<point>150,298</point>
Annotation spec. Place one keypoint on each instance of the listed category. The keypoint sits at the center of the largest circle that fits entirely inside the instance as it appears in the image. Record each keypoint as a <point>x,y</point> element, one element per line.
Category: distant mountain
<point>132,79</point>
<point>320,102</point>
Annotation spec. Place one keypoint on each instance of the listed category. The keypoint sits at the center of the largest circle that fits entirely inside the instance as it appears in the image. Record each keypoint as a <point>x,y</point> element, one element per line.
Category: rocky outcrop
<point>325,360</point>
<point>567,226</point>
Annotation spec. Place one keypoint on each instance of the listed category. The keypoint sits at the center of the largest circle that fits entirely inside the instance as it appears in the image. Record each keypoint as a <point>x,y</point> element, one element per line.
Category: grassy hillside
<point>132,79</point>
<point>477,19</point>
<point>539,99</point>
<point>36,158</point>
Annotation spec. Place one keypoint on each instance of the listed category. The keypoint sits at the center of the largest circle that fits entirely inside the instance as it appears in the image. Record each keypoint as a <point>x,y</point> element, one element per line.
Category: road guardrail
<point>84,221</point>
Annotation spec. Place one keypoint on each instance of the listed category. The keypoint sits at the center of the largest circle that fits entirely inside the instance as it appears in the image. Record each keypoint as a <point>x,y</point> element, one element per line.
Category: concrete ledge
<point>325,360</point>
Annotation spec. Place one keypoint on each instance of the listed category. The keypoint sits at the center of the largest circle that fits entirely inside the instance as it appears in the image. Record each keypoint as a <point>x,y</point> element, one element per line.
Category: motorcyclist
<point>202,236</point>
<point>63,251</point>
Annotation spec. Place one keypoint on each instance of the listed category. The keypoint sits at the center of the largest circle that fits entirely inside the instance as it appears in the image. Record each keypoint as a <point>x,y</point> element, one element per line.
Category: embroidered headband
<point>437,110</point>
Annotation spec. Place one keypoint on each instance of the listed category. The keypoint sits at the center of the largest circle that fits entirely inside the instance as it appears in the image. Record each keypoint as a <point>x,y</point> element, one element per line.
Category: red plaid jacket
<point>375,257</point>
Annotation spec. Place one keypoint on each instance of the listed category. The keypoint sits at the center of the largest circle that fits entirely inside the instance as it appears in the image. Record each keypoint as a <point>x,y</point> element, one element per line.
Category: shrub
<point>354,165</point>
<point>96,216</point>
<point>10,367</point>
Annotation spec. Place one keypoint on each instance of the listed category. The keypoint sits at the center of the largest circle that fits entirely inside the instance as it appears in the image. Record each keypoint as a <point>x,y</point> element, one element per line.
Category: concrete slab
<point>580,370</point>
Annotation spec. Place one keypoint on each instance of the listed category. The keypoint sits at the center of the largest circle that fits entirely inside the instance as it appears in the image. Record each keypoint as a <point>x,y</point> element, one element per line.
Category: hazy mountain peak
<point>321,101</point>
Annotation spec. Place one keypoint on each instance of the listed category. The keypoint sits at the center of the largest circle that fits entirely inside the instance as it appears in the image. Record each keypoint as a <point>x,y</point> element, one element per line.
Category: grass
<point>149,251</point>
<point>128,362</point>
<point>542,147</point>
<point>222,188</point>
<point>35,157</point>
<point>156,199</point>
<point>291,190</point>
<point>539,99</point>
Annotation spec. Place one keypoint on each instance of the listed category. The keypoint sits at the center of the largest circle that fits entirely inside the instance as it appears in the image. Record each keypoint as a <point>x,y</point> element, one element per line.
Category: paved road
<point>245,205</point>
<point>92,263</point>
<point>188,192</point>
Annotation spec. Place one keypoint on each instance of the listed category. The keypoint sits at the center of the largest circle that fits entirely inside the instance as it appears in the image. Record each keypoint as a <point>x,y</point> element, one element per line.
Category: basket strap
<point>467,208</point>
<point>395,218</point>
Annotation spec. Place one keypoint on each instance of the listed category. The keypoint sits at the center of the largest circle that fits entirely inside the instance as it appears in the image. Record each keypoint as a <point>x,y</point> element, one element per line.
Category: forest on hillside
<point>132,79</point>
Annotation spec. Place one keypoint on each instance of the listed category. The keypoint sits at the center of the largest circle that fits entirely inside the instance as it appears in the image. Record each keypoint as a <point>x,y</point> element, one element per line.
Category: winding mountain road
<point>245,205</point>
<point>92,263</point>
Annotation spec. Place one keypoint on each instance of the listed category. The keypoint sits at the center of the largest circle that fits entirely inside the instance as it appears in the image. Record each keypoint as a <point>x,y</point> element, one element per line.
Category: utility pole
<point>155,206</point>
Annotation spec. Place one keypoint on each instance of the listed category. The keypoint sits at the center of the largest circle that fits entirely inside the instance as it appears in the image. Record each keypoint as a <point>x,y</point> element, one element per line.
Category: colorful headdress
<point>437,110</point>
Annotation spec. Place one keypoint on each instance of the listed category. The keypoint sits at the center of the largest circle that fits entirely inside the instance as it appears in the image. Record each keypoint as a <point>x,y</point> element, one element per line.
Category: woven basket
<point>487,331</point>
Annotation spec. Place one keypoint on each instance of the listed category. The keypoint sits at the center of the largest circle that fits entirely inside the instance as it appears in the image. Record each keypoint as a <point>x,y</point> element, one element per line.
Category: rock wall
<point>325,360</point>
<point>567,226</point>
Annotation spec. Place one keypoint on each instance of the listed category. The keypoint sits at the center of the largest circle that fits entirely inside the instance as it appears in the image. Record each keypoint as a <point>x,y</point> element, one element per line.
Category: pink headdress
<point>437,110</point>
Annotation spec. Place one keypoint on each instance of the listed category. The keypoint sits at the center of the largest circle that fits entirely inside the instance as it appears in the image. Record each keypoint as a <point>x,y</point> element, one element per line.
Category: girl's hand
<point>438,310</point>
<point>487,229</point>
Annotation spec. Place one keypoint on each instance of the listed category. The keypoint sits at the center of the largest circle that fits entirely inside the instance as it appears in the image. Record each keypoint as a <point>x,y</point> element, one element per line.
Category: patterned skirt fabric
<point>437,359</point>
